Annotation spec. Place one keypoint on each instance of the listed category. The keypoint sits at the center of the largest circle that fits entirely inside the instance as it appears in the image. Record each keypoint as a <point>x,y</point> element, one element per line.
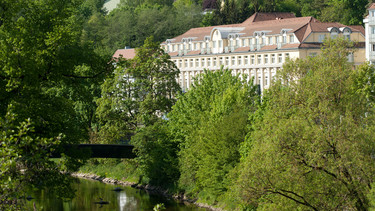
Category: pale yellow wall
<point>360,56</point>
<point>314,37</point>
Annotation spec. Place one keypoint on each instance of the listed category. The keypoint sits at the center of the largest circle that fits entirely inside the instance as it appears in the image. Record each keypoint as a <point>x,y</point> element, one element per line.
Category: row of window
<point>245,42</point>
<point>258,77</point>
<point>231,60</point>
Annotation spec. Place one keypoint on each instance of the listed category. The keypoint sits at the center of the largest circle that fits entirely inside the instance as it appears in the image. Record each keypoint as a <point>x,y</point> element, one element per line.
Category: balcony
<point>372,38</point>
<point>372,56</point>
<point>371,21</point>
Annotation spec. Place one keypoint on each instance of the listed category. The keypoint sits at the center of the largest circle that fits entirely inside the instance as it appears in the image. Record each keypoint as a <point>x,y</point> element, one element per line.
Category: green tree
<point>25,163</point>
<point>157,155</point>
<point>140,91</point>
<point>312,147</point>
<point>209,123</point>
<point>46,76</point>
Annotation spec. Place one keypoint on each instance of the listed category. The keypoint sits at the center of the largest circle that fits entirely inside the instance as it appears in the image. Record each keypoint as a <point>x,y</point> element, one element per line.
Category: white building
<point>370,34</point>
<point>257,48</point>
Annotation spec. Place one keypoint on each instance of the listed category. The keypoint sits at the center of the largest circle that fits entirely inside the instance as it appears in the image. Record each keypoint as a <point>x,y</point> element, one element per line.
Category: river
<point>89,192</point>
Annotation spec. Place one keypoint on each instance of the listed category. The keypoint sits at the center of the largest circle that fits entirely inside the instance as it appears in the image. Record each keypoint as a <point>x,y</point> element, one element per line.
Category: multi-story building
<point>258,47</point>
<point>370,34</point>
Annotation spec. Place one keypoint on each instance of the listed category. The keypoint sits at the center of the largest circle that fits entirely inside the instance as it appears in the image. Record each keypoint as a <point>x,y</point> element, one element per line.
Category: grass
<point>124,169</point>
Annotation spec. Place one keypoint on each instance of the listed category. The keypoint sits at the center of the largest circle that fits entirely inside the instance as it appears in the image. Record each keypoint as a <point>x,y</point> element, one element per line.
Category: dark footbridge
<point>98,150</point>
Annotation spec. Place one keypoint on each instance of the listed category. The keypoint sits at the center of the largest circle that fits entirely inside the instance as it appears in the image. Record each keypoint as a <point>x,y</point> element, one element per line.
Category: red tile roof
<point>124,53</point>
<point>288,46</point>
<point>242,49</point>
<point>273,26</point>
<point>173,53</point>
<point>359,28</point>
<point>193,52</point>
<point>256,17</point>
<point>372,6</point>
<point>268,47</point>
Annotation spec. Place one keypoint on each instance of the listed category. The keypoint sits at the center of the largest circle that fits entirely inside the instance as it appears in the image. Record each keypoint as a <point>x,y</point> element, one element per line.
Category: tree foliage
<point>48,77</point>
<point>139,92</point>
<point>209,123</point>
<point>313,146</point>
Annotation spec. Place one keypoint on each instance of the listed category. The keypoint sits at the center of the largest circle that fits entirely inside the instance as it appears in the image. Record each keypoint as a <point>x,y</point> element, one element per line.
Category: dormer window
<point>291,38</point>
<point>346,32</point>
<point>284,38</point>
<point>263,39</point>
<point>334,32</point>
<point>270,41</point>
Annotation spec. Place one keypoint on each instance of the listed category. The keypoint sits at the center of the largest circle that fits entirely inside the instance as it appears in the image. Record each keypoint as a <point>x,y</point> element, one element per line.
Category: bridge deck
<point>101,150</point>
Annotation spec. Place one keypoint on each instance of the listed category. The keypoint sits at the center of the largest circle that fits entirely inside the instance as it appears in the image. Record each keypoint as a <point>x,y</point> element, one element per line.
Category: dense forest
<point>304,144</point>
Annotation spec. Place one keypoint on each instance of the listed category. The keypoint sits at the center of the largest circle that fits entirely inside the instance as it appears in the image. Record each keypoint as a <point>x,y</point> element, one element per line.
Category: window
<point>273,58</point>
<point>284,38</point>
<point>373,13</point>
<point>259,79</point>
<point>174,47</point>
<point>266,59</point>
<point>270,41</point>
<point>259,59</point>
<point>214,62</point>
<point>227,61</point>
<point>214,44</point>
<point>347,36</point>
<point>231,42</point>
<point>373,47</point>
<point>264,40</point>
<point>265,80</point>
<point>280,58</point>
<point>220,43</point>
<point>373,30</point>
<point>180,63</point>
<point>312,54</point>
<point>243,42</point>
<point>197,62</point>
<point>350,57</point>
<point>239,60</point>
<point>252,59</point>
<point>237,42</point>
<point>209,62</point>
<point>322,37</point>
<point>195,46</point>
<point>334,34</point>
<point>233,60</point>
<point>203,62</point>
<point>191,62</point>
<point>245,60</point>
<point>221,61</point>
<point>201,45</point>
<point>291,38</point>
<point>277,39</point>
<point>186,63</point>
<point>286,55</point>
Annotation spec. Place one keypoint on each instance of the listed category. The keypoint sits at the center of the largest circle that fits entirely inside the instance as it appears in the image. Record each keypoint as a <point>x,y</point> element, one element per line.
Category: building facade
<point>370,34</point>
<point>258,47</point>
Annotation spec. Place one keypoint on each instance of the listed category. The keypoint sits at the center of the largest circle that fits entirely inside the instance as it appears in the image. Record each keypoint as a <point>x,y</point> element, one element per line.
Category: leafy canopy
<point>313,146</point>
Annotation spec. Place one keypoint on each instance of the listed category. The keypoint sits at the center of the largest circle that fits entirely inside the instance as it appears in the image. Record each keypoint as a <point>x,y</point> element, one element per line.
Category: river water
<point>89,192</point>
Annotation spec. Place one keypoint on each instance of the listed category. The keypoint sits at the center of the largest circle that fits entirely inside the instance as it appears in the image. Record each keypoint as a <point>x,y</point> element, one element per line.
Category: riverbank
<point>148,188</point>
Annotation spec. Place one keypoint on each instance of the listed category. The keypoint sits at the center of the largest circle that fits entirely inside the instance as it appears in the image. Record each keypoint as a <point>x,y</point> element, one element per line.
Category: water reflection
<point>126,202</point>
<point>89,192</point>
